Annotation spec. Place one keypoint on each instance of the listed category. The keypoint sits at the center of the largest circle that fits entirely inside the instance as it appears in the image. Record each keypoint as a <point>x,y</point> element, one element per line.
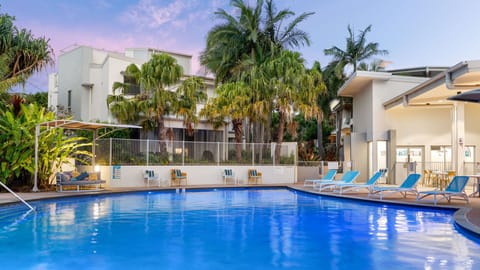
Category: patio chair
<point>456,189</point>
<point>347,177</point>
<point>150,175</point>
<point>426,177</point>
<point>408,185</point>
<point>254,177</point>
<point>177,177</point>
<point>229,174</point>
<point>344,187</point>
<point>329,176</point>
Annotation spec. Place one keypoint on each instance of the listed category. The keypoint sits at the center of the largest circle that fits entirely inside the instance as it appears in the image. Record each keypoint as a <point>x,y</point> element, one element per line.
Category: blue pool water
<point>230,229</point>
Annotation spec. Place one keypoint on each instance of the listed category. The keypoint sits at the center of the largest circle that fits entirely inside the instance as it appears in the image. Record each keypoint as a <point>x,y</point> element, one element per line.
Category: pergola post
<point>35,177</point>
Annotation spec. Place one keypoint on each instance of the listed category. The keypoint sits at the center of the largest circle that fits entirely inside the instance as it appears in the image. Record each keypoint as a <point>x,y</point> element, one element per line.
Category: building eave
<point>435,91</point>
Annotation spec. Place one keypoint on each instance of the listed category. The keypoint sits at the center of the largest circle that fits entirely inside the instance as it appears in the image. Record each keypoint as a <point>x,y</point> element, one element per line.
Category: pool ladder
<point>178,190</point>
<point>16,196</point>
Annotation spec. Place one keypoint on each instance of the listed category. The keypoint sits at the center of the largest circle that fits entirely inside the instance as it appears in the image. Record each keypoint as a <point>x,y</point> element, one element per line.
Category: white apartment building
<point>85,78</point>
<point>401,118</point>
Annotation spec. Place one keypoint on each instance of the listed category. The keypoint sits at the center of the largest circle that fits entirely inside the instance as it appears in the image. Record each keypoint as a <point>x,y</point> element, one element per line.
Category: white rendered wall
<point>382,92</point>
<point>53,91</point>
<point>472,127</point>
<point>421,126</point>
<point>72,72</point>
<point>132,176</point>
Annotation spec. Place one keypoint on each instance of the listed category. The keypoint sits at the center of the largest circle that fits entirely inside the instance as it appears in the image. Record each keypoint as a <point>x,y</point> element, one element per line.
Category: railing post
<point>274,153</point>
<point>218,153</point>
<point>253,154</point>
<point>183,153</point>
<point>110,154</point>
<point>148,152</point>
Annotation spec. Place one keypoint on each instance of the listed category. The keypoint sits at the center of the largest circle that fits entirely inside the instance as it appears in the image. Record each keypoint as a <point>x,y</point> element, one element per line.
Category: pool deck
<point>466,216</point>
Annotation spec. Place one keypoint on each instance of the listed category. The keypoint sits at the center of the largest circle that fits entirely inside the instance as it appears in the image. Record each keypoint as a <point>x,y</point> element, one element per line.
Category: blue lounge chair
<point>408,185</point>
<point>347,177</point>
<point>341,188</point>
<point>329,176</point>
<point>456,188</point>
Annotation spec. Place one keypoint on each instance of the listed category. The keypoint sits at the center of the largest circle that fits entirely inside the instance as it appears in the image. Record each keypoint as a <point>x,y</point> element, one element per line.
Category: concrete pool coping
<point>467,217</point>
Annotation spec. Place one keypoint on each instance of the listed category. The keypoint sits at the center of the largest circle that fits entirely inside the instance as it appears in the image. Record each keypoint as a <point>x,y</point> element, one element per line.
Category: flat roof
<point>360,79</point>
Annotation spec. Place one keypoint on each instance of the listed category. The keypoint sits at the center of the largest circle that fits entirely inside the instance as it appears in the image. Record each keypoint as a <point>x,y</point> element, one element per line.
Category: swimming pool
<point>230,229</point>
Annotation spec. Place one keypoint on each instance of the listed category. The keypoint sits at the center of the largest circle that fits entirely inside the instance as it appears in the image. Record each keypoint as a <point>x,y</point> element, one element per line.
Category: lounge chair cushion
<point>254,172</point>
<point>92,176</point>
<point>80,177</point>
<point>64,177</point>
<point>228,172</point>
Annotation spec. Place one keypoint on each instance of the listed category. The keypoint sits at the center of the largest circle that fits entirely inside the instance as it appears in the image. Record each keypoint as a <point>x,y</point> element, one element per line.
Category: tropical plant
<point>294,90</point>
<point>232,101</point>
<point>356,50</point>
<point>244,40</point>
<point>250,37</point>
<point>375,65</point>
<point>21,54</point>
<point>156,79</point>
<point>17,136</point>
<point>189,93</point>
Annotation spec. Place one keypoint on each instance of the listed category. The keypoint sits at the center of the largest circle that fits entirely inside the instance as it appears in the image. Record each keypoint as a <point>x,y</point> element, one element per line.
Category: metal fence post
<point>183,153</point>
<point>218,153</point>
<point>148,152</point>
<point>110,154</point>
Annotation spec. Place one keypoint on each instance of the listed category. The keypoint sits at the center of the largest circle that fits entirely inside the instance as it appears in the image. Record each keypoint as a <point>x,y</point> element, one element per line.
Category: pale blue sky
<point>415,32</point>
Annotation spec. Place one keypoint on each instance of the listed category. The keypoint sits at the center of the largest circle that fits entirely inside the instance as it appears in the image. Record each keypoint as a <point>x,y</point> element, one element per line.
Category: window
<point>131,85</point>
<point>69,101</point>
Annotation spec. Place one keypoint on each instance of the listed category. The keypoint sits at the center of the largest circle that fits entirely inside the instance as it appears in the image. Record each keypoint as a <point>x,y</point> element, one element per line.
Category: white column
<point>458,137</point>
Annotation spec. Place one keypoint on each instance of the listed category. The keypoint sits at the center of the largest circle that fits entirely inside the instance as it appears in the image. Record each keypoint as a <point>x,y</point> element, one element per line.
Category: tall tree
<point>21,54</point>
<point>233,101</point>
<point>189,93</point>
<point>243,41</point>
<point>295,90</point>
<point>157,78</point>
<point>356,50</point>
<point>249,37</point>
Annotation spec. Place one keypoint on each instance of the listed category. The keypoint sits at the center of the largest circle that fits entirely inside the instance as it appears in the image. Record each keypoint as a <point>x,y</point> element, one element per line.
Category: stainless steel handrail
<point>16,196</point>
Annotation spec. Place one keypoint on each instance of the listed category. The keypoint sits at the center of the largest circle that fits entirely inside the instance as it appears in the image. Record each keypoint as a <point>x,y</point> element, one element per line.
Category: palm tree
<point>249,38</point>
<point>21,54</point>
<point>375,65</point>
<point>232,101</point>
<point>242,42</point>
<point>148,108</point>
<point>323,102</point>
<point>357,49</point>
<point>122,106</point>
<point>190,92</point>
<point>295,90</point>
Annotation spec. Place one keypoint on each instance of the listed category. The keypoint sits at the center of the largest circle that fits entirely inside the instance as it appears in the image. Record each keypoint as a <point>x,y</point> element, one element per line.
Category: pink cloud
<point>150,14</point>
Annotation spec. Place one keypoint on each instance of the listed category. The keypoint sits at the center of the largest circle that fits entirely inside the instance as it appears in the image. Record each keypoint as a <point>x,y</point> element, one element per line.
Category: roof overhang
<point>462,77</point>
<point>359,80</point>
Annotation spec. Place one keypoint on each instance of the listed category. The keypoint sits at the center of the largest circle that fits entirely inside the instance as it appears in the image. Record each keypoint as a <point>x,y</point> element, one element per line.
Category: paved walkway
<point>467,216</point>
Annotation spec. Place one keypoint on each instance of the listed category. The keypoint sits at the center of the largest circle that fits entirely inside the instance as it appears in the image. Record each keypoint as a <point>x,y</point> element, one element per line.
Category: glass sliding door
<point>440,158</point>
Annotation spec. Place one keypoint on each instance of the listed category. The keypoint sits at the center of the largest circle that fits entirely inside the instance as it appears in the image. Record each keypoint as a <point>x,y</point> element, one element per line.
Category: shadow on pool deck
<point>466,216</point>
